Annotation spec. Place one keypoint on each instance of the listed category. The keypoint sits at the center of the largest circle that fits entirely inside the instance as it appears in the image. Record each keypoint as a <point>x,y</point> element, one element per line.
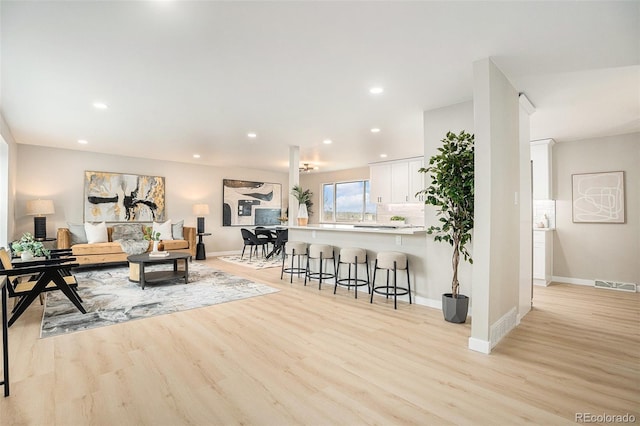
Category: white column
<point>294,179</point>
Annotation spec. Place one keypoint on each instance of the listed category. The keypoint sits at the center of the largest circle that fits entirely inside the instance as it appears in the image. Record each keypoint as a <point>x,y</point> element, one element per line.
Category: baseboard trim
<point>482,346</point>
<point>503,326</point>
<point>425,301</point>
<point>577,281</point>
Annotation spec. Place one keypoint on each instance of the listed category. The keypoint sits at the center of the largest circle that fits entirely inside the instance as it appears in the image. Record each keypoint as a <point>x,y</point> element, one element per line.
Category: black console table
<point>200,251</point>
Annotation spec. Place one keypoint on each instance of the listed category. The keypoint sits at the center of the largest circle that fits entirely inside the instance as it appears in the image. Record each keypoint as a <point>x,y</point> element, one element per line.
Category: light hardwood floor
<point>306,357</point>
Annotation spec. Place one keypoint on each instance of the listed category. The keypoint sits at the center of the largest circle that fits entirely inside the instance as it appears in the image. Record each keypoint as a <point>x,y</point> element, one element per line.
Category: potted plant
<point>149,235</point>
<point>399,220</point>
<point>451,191</point>
<point>28,248</point>
<point>304,200</point>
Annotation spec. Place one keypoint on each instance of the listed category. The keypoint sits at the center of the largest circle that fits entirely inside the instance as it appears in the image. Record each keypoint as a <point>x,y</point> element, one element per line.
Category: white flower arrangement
<point>27,243</point>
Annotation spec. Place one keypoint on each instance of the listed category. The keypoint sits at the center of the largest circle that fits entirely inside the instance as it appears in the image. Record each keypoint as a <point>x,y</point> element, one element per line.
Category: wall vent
<point>613,285</point>
<point>502,327</point>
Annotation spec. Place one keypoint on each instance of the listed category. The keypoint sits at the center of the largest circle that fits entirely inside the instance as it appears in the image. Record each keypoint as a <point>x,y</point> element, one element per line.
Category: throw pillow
<point>177,230</point>
<point>78,234</point>
<point>127,231</point>
<point>96,233</point>
<point>164,229</point>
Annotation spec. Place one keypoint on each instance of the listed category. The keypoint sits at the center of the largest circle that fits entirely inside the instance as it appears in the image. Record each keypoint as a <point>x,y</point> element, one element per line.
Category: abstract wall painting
<point>118,197</point>
<point>247,203</point>
<point>598,197</point>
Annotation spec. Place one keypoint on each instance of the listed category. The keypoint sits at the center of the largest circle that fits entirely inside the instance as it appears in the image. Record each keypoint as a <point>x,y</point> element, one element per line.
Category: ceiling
<point>183,78</point>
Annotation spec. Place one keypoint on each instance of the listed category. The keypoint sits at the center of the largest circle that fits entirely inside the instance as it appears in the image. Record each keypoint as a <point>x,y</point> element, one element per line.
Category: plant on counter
<point>451,192</point>
<point>394,218</point>
<point>28,244</point>
<point>304,200</point>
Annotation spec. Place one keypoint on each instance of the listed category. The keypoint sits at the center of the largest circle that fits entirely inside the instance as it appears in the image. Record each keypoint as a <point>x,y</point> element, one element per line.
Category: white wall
<point>439,274</point>
<point>588,251</point>
<point>58,174</point>
<point>497,180</point>
<point>9,201</point>
<point>526,235</point>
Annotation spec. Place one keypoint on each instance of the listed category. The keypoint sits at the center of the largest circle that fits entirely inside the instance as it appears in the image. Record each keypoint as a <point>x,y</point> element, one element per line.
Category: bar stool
<point>352,256</point>
<point>391,261</point>
<point>321,252</point>
<point>293,249</point>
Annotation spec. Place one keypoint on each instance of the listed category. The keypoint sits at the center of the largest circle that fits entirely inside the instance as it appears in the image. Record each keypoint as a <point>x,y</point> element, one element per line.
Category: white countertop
<point>368,228</point>
<point>544,229</point>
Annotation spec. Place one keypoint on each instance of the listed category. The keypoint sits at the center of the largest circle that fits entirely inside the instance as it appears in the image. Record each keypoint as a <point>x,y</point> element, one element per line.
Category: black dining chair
<point>250,239</point>
<point>266,234</point>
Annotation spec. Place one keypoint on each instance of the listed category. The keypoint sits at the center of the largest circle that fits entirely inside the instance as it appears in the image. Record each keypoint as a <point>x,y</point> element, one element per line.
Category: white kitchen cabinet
<point>400,182</point>
<point>541,175</point>
<point>416,179</point>
<point>380,181</point>
<point>396,181</point>
<point>542,257</point>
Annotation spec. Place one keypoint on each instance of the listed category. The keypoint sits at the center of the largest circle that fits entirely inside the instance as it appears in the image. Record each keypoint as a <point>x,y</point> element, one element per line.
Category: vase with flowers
<point>150,235</point>
<point>28,247</point>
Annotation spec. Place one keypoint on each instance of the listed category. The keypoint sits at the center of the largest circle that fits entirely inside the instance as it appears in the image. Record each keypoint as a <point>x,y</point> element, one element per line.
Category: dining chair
<point>250,239</point>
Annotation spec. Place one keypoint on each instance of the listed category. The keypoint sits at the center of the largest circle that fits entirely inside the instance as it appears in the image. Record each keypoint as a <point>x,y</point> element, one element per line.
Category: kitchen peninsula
<point>374,238</point>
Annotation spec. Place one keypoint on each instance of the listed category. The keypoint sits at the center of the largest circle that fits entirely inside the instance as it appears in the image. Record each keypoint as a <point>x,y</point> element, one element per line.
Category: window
<point>347,202</point>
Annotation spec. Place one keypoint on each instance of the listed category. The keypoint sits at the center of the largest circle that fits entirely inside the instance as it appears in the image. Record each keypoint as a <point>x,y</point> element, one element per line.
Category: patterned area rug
<point>110,298</point>
<point>255,263</point>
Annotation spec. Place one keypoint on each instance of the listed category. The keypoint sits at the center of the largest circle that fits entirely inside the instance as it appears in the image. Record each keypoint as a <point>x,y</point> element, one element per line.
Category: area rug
<point>255,263</point>
<point>110,298</point>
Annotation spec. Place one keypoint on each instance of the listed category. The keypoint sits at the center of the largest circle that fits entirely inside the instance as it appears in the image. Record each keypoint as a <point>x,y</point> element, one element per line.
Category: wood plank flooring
<point>308,357</point>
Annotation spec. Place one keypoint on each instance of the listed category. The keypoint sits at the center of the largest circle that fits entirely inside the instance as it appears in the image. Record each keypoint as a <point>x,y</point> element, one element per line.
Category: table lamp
<point>38,209</point>
<point>200,210</point>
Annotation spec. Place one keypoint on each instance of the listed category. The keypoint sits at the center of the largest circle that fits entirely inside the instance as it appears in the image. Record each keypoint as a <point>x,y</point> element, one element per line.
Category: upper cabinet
<point>380,181</point>
<point>396,181</point>
<point>541,173</point>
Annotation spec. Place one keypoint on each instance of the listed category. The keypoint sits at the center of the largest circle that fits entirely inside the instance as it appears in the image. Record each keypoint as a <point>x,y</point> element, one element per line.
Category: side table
<point>200,251</point>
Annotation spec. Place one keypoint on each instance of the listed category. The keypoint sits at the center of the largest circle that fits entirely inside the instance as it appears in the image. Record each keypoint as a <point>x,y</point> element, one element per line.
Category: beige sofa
<point>111,252</point>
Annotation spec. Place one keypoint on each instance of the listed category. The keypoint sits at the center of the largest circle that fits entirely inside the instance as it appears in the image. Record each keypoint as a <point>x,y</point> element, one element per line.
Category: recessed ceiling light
<point>327,141</point>
<point>375,130</point>
<point>196,155</point>
<point>100,105</point>
<point>82,141</point>
<point>383,155</point>
<point>376,90</point>
<point>252,135</point>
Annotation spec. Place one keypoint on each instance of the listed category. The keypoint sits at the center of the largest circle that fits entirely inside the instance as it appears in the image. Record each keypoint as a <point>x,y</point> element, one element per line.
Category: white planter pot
<point>26,255</point>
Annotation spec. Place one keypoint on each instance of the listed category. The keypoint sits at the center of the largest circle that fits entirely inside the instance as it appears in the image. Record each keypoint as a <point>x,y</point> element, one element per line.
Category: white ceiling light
<point>383,155</point>
<point>196,155</point>
<point>327,141</point>
<point>376,90</point>
<point>82,141</point>
<point>375,130</point>
<point>252,135</point>
<point>100,105</point>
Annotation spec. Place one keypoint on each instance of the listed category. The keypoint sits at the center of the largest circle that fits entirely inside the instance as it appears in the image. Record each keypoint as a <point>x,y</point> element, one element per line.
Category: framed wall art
<point>247,203</point>
<point>118,197</point>
<point>598,197</point>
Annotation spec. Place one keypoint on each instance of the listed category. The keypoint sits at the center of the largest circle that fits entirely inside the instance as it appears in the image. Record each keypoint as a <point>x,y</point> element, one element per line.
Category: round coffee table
<point>137,263</point>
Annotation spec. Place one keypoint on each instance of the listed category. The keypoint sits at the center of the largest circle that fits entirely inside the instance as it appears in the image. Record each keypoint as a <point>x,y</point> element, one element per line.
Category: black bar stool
<point>391,261</point>
<point>294,249</point>
<point>322,253</point>
<point>352,257</point>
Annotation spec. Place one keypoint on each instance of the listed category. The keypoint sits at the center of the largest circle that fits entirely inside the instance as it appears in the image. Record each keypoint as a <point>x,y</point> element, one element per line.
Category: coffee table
<point>138,262</point>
